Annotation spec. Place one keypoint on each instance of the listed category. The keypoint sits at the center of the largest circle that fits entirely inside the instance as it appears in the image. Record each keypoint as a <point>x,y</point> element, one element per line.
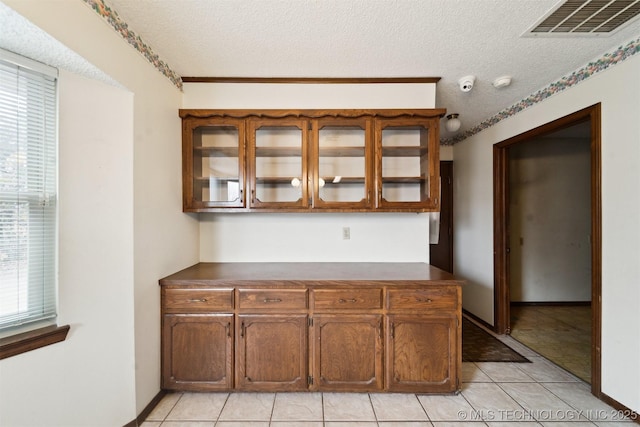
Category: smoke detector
<point>501,82</point>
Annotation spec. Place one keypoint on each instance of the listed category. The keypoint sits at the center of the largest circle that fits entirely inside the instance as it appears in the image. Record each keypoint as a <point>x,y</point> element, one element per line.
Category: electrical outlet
<point>346,233</point>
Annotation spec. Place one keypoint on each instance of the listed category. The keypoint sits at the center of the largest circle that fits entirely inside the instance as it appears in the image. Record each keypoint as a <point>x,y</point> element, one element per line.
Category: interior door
<point>441,254</point>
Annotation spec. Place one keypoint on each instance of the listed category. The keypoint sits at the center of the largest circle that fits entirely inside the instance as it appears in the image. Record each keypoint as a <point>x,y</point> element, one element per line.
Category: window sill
<point>27,341</point>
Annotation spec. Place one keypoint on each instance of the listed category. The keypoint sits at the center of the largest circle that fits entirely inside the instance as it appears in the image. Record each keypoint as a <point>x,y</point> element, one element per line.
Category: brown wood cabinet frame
<point>310,121</point>
<point>336,327</point>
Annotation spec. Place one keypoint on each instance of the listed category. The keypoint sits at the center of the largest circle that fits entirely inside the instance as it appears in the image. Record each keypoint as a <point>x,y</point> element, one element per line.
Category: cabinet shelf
<point>344,180</point>
<point>217,151</point>
<point>278,152</point>
<point>342,152</point>
<point>329,180</point>
<point>403,180</point>
<point>206,179</point>
<point>404,151</point>
<point>324,152</point>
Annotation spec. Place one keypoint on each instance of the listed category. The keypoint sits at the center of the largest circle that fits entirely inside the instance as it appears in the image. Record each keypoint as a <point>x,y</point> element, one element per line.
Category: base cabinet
<point>225,327</point>
<point>197,352</point>
<point>272,352</point>
<point>419,353</point>
<point>347,352</point>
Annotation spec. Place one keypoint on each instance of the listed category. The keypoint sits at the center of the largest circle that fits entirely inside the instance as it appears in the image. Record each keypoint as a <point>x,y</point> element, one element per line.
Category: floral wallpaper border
<point>121,27</point>
<point>611,58</point>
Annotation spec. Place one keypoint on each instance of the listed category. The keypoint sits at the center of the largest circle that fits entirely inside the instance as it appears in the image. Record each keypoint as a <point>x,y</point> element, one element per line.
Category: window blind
<point>28,187</point>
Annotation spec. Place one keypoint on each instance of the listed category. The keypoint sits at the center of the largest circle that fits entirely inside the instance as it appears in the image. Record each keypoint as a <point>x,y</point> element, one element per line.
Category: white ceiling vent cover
<point>586,18</point>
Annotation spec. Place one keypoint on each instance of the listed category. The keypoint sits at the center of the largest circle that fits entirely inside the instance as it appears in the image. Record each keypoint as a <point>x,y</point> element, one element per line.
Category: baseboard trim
<point>147,410</point>
<point>551,303</point>
<point>479,320</point>
<point>629,413</point>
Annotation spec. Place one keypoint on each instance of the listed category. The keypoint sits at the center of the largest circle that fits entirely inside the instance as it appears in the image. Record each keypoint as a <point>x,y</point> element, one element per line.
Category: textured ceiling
<point>20,35</point>
<point>370,38</point>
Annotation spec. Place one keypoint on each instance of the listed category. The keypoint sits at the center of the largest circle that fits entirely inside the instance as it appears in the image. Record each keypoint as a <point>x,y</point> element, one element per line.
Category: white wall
<point>550,220</point>
<point>89,377</point>
<point>260,237</point>
<point>618,89</point>
<point>446,152</point>
<point>161,238</point>
<point>309,95</point>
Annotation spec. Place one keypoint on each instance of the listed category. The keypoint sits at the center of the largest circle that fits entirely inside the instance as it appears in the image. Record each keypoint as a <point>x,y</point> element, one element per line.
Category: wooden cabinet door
<point>278,163</point>
<point>421,353</point>
<point>197,352</point>
<point>271,352</point>
<point>347,354</point>
<point>341,163</point>
<point>212,163</point>
<point>407,163</point>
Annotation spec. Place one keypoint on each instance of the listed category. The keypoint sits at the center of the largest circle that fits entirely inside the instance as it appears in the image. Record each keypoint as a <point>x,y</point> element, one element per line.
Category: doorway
<point>503,241</point>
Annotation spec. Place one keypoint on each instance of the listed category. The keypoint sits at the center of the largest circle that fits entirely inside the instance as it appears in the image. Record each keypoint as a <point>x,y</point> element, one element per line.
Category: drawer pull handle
<point>198,300</point>
<point>272,300</point>
<point>351,300</point>
<point>424,300</point>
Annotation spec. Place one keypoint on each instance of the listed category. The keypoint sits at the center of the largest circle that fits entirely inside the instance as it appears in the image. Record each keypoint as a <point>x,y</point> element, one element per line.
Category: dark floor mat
<point>480,346</point>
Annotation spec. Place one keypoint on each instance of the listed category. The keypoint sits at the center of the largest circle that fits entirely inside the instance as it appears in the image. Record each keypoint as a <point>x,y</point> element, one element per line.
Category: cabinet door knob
<point>424,300</point>
<point>272,300</point>
<point>198,300</point>
<point>351,300</point>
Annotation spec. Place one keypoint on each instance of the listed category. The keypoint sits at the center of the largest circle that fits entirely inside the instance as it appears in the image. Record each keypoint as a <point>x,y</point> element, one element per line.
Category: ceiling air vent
<point>579,18</point>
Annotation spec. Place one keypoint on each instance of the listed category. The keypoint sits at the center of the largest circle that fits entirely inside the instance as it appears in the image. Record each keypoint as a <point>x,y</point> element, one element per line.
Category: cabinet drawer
<point>432,298</point>
<point>190,300</point>
<point>272,299</point>
<point>347,299</point>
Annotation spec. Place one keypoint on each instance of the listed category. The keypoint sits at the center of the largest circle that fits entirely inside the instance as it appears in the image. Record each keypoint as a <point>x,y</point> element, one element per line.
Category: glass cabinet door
<point>216,162</point>
<point>407,167</point>
<point>278,157</point>
<point>342,164</point>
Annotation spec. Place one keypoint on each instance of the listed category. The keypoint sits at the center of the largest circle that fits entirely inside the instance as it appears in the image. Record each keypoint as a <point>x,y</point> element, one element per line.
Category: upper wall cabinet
<point>405,163</point>
<point>213,167</point>
<point>278,163</point>
<point>311,160</point>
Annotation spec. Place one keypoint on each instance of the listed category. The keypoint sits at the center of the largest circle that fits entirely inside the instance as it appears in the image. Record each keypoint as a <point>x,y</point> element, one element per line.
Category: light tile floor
<point>493,394</point>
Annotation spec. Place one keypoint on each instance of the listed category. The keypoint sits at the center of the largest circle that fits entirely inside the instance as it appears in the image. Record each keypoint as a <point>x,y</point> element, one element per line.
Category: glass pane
<point>341,164</point>
<point>405,165</point>
<point>216,172</point>
<point>279,164</point>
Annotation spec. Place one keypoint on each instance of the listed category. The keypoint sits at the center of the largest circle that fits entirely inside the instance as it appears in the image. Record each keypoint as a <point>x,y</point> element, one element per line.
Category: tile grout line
<point>423,409</point>
<point>215,423</point>
<point>373,409</point>
<point>172,408</point>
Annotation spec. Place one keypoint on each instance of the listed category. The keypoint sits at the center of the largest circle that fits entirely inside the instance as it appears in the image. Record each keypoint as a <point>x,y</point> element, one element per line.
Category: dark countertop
<point>227,273</point>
